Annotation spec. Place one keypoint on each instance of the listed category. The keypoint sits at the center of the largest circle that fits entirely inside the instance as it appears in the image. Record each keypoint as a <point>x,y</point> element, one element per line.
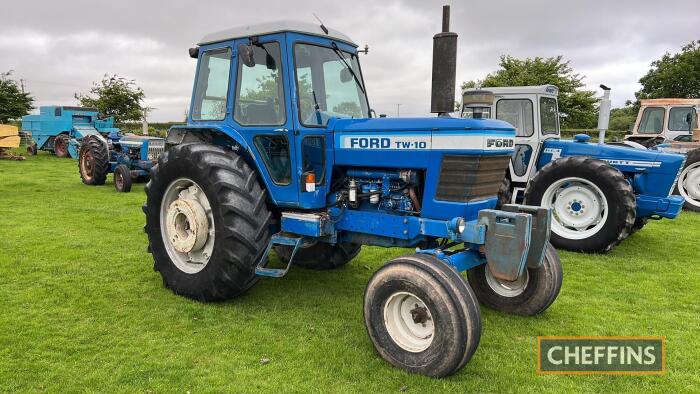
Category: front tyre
<point>122,179</point>
<point>532,293</point>
<point>60,145</point>
<point>206,221</point>
<point>421,316</point>
<point>593,205</point>
<point>688,184</point>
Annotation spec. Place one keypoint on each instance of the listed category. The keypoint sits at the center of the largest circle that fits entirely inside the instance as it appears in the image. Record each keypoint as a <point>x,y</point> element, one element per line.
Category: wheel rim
<point>187,225</point>
<point>60,146</point>
<point>119,181</point>
<point>579,207</point>
<point>409,322</point>
<point>86,164</point>
<point>689,184</point>
<point>506,288</point>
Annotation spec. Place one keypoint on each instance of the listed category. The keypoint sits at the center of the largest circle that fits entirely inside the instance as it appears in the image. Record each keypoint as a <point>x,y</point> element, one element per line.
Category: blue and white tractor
<point>280,152</point>
<point>100,148</point>
<point>598,193</point>
<point>671,125</point>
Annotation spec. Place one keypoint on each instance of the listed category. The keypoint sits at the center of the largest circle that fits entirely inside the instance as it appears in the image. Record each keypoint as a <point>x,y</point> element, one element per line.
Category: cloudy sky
<point>60,47</point>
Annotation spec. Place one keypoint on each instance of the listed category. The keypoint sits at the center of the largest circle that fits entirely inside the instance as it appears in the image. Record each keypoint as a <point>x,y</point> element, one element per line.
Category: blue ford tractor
<point>81,133</point>
<point>280,152</point>
<point>598,193</point>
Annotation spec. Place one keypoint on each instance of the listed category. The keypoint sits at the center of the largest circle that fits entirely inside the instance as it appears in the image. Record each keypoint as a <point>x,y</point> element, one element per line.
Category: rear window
<point>212,85</point>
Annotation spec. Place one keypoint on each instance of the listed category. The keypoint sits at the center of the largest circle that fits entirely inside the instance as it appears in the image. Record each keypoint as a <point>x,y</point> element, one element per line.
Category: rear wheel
<point>32,149</point>
<point>60,145</point>
<point>321,255</point>
<point>93,161</point>
<point>593,205</point>
<point>532,293</point>
<point>688,184</point>
<point>206,221</point>
<point>421,316</point>
<point>122,179</point>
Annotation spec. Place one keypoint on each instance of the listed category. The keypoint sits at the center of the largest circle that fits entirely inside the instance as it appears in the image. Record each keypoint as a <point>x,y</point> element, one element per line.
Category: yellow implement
<point>9,136</point>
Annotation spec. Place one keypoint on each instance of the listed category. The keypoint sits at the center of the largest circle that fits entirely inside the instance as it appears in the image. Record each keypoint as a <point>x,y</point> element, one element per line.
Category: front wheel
<point>206,221</point>
<point>60,145</point>
<point>421,316</point>
<point>593,205</point>
<point>532,293</point>
<point>122,179</point>
<point>688,184</point>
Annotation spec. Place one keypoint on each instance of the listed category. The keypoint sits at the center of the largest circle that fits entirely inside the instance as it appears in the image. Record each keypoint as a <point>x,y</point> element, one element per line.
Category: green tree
<point>348,108</point>
<point>577,104</point>
<point>622,119</point>
<point>673,76</point>
<point>116,96</point>
<point>14,103</point>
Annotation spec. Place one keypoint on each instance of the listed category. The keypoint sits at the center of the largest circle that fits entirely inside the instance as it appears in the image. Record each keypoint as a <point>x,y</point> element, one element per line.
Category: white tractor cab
<point>666,120</point>
<point>598,193</point>
<point>671,125</point>
<point>518,105</point>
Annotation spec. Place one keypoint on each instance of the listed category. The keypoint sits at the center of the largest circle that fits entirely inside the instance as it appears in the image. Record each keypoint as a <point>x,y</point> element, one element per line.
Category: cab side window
<point>681,119</point>
<point>260,91</point>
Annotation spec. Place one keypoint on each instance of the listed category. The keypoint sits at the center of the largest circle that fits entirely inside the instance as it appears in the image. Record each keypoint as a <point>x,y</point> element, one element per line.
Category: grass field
<point>82,310</point>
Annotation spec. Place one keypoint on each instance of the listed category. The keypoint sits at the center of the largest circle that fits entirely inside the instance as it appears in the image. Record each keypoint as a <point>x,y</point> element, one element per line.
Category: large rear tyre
<point>421,316</point>
<point>60,145</point>
<point>321,255</point>
<point>206,221</point>
<point>532,293</point>
<point>593,205</point>
<point>688,184</point>
<point>93,161</point>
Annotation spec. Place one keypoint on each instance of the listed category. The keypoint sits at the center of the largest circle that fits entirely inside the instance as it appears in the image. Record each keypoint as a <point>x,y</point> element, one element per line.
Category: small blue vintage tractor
<point>81,133</point>
<point>598,193</point>
<point>280,152</point>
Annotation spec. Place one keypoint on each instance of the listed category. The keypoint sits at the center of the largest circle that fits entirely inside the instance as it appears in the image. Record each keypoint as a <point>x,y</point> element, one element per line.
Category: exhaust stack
<point>442,99</point>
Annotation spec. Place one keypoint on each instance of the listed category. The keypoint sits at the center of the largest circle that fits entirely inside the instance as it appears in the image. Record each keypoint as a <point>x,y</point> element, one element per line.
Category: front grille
<point>155,149</point>
<point>470,178</point>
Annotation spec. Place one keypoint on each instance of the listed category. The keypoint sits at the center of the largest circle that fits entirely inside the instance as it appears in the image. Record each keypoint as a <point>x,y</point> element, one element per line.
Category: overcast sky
<point>60,47</point>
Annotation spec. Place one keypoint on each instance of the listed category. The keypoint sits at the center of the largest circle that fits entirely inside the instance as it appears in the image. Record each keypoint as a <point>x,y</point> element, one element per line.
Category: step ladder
<point>278,239</point>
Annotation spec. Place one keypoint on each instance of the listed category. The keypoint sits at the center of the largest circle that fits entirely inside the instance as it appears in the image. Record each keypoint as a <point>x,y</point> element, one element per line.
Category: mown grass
<point>82,310</point>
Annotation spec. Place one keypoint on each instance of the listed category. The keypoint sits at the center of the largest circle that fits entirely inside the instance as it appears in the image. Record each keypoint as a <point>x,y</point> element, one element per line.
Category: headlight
<point>458,225</point>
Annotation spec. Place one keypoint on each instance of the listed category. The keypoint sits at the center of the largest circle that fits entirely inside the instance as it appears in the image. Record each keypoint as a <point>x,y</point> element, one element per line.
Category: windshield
<point>549,116</point>
<point>327,88</point>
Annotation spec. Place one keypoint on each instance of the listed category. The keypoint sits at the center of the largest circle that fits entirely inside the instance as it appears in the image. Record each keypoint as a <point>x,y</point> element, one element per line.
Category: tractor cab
<point>532,110</point>
<point>666,120</point>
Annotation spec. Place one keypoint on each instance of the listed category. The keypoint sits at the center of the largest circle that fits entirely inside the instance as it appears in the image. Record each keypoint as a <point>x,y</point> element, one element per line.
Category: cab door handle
<point>281,130</point>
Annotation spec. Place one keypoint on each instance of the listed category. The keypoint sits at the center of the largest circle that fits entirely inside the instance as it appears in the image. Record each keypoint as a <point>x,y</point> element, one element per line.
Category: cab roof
<point>669,101</point>
<point>539,89</point>
<point>281,26</point>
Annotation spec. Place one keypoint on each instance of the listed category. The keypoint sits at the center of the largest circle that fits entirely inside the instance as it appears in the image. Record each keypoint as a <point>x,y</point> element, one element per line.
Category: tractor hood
<point>414,142</point>
<point>650,172</point>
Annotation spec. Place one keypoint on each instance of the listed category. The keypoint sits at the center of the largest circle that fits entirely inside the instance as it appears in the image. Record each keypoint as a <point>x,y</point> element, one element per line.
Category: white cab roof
<point>274,27</point>
<point>540,89</point>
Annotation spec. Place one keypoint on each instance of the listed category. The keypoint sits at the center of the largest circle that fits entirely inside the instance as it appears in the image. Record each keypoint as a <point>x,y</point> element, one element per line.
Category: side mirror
<point>345,75</point>
<point>194,52</point>
<point>270,62</point>
<point>247,55</point>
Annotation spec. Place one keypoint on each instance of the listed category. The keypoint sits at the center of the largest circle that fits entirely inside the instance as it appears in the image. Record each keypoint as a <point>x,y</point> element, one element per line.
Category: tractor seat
<point>261,114</point>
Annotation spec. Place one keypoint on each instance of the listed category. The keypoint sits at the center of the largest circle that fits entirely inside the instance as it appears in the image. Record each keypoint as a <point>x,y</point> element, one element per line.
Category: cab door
<point>519,111</point>
<point>262,113</point>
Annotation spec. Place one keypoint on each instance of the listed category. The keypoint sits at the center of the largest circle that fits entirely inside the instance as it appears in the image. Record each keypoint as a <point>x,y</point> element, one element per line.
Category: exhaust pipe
<point>442,99</point>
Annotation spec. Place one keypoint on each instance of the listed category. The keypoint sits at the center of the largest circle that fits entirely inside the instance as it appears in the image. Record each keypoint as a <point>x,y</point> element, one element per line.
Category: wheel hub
<point>409,322</point>
<point>187,225</point>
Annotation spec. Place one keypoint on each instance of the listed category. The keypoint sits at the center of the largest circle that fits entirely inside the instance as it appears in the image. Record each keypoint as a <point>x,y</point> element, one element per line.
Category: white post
<point>144,123</point>
<point>603,114</point>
